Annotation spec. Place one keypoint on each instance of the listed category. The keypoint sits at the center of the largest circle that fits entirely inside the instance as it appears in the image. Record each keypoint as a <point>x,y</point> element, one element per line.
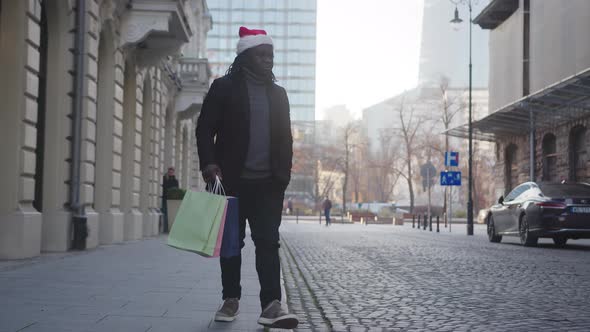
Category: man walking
<point>244,137</point>
<point>327,205</point>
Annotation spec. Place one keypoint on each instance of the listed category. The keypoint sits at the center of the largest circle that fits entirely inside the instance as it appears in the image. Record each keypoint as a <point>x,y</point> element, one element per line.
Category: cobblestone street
<point>395,278</point>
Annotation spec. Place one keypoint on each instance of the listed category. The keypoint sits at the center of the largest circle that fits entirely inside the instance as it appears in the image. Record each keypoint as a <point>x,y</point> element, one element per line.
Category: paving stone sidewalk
<point>136,286</point>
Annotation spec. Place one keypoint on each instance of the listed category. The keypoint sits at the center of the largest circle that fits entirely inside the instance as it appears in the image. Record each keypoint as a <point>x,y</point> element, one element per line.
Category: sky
<point>367,51</point>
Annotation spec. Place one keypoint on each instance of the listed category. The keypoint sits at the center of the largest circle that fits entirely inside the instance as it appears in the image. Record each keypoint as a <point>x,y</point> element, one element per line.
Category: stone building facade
<point>539,90</point>
<point>143,80</point>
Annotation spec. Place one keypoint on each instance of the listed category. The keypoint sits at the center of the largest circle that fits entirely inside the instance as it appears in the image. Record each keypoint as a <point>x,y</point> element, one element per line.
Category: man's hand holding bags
<point>210,172</point>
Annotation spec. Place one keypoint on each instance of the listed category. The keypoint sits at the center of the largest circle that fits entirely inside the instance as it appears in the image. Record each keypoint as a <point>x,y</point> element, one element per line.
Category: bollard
<point>297,216</point>
<point>419,216</point>
<point>430,223</point>
<point>425,223</point>
<point>437,224</point>
<point>413,221</point>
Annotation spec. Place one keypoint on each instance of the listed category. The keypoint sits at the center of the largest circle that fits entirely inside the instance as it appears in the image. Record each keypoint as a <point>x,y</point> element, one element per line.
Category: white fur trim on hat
<point>247,42</point>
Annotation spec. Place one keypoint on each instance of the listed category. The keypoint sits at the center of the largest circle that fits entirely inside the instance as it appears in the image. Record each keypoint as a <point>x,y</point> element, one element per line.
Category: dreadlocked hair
<point>242,60</point>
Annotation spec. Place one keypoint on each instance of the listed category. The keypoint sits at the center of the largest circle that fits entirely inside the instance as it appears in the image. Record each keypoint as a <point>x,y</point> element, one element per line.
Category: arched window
<point>577,152</point>
<point>549,157</point>
<point>511,167</point>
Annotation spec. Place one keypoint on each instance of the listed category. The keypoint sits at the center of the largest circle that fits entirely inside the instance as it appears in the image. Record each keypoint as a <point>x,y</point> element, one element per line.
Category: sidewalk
<point>136,286</point>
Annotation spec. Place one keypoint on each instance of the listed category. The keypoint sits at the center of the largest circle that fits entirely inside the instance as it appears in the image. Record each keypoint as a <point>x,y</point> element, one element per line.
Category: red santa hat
<point>252,38</point>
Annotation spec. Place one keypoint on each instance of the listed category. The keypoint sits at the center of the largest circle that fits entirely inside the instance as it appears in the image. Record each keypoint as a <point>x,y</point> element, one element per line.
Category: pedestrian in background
<point>168,182</point>
<point>327,206</point>
<point>290,206</point>
<point>244,137</point>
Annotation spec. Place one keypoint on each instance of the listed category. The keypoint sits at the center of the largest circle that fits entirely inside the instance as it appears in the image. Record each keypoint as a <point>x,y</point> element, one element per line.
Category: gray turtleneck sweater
<point>257,164</point>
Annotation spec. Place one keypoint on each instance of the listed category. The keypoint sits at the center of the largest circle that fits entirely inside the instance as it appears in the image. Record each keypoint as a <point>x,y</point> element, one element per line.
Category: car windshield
<point>565,190</point>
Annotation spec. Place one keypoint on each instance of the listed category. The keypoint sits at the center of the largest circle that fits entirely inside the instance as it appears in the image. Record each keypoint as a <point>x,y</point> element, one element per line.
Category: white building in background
<point>444,55</point>
<point>143,79</point>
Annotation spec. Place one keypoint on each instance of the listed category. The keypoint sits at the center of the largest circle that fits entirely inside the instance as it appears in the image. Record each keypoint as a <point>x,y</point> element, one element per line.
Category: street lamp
<point>456,21</point>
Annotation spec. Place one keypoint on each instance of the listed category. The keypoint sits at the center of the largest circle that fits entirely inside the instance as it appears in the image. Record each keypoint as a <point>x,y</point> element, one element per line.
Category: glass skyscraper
<point>292,26</point>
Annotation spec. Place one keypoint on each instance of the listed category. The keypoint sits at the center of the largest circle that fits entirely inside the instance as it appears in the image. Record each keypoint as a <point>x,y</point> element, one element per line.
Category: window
<point>301,57</point>
<point>251,17</point>
<point>237,17</point>
<point>300,30</point>
<point>549,157</point>
<point>252,4</point>
<point>511,167</point>
<point>514,194</point>
<point>299,98</point>
<point>219,16</point>
<point>555,190</point>
<point>578,156</point>
<point>302,4</point>
<point>301,17</point>
<point>272,16</point>
<point>239,4</point>
<point>279,43</point>
<point>218,4</point>
<point>275,31</point>
<point>274,4</point>
<point>302,44</point>
<point>296,84</point>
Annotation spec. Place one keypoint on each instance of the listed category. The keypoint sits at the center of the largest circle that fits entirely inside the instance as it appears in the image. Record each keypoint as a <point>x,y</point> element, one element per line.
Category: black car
<point>533,210</point>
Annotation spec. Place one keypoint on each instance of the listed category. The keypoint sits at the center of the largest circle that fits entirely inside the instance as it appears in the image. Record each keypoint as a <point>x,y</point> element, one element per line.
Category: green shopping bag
<point>197,223</point>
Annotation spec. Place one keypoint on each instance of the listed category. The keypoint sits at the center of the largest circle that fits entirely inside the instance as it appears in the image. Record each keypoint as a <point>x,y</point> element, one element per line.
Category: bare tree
<point>409,125</point>
<point>358,164</point>
<point>385,165</point>
<point>348,135</point>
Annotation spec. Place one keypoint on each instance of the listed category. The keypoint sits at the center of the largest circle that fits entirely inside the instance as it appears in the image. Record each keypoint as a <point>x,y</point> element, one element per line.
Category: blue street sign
<point>450,178</point>
<point>452,159</point>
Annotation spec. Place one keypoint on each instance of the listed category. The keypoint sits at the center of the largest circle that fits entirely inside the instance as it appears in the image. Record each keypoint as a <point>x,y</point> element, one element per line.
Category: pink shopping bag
<point>217,250</point>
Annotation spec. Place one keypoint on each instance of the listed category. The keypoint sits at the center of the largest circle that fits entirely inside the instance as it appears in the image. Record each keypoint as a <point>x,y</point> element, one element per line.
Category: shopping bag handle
<point>217,187</point>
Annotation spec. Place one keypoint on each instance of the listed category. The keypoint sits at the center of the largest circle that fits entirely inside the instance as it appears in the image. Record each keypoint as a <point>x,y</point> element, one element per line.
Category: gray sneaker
<point>275,317</point>
<point>229,310</point>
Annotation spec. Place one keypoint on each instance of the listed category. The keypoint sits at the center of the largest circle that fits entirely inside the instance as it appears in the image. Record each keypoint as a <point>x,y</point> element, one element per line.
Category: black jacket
<point>223,130</point>
<point>167,183</point>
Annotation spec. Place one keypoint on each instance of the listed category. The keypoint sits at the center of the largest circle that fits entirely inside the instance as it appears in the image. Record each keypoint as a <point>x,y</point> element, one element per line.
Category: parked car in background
<point>482,215</point>
<point>560,211</point>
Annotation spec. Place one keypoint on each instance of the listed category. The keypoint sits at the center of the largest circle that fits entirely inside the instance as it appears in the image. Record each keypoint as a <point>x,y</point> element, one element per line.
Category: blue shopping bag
<point>230,245</point>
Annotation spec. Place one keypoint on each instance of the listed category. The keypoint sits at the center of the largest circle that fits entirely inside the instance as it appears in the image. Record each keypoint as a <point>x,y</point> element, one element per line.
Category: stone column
<point>118,228</point>
<point>109,101</point>
<point>20,223</point>
<point>56,234</point>
<point>131,155</point>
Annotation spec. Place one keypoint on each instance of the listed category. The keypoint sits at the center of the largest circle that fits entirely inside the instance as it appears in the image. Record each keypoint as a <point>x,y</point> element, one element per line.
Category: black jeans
<point>262,204</point>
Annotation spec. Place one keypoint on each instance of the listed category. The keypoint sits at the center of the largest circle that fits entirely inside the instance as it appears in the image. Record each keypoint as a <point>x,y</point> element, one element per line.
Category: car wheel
<point>492,236</point>
<point>560,241</point>
<point>526,239</point>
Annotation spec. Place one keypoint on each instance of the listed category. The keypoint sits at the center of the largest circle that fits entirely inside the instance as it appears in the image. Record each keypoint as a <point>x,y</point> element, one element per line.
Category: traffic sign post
<point>450,179</point>
<point>451,160</point>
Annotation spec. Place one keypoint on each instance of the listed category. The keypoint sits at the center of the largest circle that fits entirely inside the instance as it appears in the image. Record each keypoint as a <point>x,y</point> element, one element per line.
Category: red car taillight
<point>551,205</point>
